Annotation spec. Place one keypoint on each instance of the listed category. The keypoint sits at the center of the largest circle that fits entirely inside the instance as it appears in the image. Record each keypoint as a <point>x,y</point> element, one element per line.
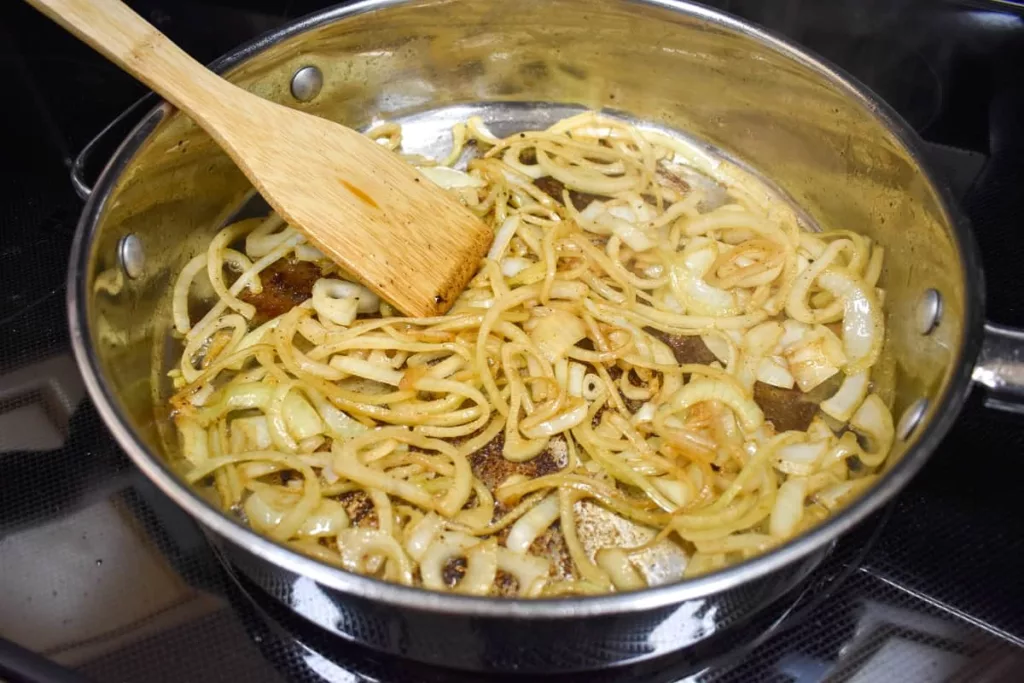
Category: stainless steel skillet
<point>841,155</point>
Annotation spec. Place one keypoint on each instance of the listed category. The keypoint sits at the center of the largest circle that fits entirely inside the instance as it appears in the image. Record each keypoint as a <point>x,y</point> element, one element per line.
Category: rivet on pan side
<point>929,311</point>
<point>131,256</point>
<point>306,83</point>
<point>911,418</point>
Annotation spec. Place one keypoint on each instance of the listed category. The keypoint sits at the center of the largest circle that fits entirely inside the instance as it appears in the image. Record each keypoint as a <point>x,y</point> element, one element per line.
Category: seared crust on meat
<point>553,188</point>
<point>686,348</point>
<point>286,284</point>
<point>786,409</point>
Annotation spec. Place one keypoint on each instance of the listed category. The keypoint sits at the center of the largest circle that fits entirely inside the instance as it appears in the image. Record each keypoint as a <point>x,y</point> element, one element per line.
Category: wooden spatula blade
<point>407,239</point>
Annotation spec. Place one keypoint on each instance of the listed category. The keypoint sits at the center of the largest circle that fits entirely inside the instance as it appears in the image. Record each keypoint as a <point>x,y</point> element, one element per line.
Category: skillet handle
<point>83,169</point>
<point>1000,368</point>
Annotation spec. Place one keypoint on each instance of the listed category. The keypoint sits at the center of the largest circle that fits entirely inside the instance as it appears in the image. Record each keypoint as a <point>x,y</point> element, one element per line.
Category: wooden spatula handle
<point>360,204</point>
<point>112,28</point>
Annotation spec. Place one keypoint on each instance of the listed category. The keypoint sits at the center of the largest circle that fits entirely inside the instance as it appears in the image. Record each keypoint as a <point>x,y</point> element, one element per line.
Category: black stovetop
<point>103,575</point>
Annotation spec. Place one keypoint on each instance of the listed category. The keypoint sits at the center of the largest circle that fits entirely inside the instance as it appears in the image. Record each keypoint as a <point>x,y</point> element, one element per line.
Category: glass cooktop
<point>103,579</point>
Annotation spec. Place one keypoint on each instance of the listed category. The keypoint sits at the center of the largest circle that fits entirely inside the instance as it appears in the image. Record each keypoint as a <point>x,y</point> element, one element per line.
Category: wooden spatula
<point>375,215</point>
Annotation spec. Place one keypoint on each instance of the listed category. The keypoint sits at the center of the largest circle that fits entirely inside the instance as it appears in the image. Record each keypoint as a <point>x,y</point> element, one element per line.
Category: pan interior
<point>428,134</point>
<point>428,64</point>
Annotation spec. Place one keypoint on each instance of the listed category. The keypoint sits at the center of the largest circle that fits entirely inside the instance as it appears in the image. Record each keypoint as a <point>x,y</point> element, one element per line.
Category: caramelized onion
<point>597,396</point>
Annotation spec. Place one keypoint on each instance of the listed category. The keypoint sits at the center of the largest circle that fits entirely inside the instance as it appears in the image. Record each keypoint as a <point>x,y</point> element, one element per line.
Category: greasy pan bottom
<point>847,158</point>
<point>428,133</point>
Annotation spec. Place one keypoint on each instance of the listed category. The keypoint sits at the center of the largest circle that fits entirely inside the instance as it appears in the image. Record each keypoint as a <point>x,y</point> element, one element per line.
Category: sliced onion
<point>793,333</point>
<point>835,459</point>
<point>513,265</point>
<point>182,285</point>
<point>746,373</point>
<point>312,329</point>
<point>645,414</point>
<point>481,569</point>
<point>347,465</point>
<point>530,571</point>
<point>481,563</point>
<point>630,234</point>
<point>800,458</point>
<point>562,373</point>
<point>267,236</point>
<point>518,449</point>
<point>796,301</point>
<point>242,396</point>
<point>422,535</point>
<point>874,421</point>
<point>531,525</point>
<point>233,322</point>
<point>700,390</point>
<point>366,301</point>
<point>255,337</point>
<point>302,420</point>
<point>194,441</point>
<point>623,574</point>
<point>449,178</point>
<point>700,298</point>
<point>202,395</point>
<point>863,325</point>
<point>577,373</point>
<point>307,252</point>
<point>675,491</point>
<point>844,402</point>
<point>591,211</point>
<point>532,171</point>
<point>250,434</point>
<point>502,237</point>
<point>761,339</point>
<point>690,289</point>
<point>717,547</point>
<point>638,211</point>
<point>819,430</point>
<point>873,270</point>
<point>701,563</point>
<point>450,545</point>
<point>556,332</point>
<point>833,496</point>
<point>585,180</point>
<point>482,512</point>
<point>367,370</point>
<point>772,371</point>
<point>340,425</point>
<point>718,345</point>
<point>593,387</point>
<point>837,495</point>
<point>573,416</point>
<point>663,354</point>
<point>335,301</point>
<point>328,519</point>
<point>816,358</point>
<point>476,129</point>
<point>569,291</point>
<point>713,480</point>
<point>788,509</point>
<point>355,545</point>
